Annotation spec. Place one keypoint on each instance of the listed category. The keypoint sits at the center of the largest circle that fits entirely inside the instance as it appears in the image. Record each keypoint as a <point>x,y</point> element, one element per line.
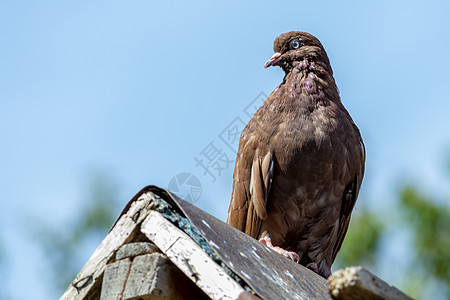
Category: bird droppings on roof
<point>214,245</point>
<point>289,274</point>
<point>246,275</point>
<point>256,254</point>
<point>204,222</point>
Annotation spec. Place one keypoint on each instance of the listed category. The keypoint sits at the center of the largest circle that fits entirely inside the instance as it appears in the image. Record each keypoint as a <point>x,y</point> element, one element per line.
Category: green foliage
<point>362,240</point>
<point>100,209</point>
<point>88,226</point>
<point>430,222</point>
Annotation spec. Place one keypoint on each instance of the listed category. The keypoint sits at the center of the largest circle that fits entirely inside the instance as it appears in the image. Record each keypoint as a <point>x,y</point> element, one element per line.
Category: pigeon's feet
<point>325,272</point>
<point>289,254</point>
<point>313,267</point>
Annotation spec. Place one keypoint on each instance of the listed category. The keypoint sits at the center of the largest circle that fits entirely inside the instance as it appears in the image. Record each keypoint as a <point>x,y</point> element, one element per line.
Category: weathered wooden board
<point>190,258</point>
<point>131,250</point>
<point>150,276</point>
<point>147,276</point>
<point>356,283</point>
<point>122,231</point>
<point>114,279</point>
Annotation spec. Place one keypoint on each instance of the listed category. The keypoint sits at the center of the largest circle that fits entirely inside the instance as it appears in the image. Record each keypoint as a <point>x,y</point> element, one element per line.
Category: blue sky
<point>140,88</point>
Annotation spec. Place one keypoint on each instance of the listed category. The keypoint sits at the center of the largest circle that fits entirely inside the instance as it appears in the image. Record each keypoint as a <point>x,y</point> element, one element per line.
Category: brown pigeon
<point>300,161</point>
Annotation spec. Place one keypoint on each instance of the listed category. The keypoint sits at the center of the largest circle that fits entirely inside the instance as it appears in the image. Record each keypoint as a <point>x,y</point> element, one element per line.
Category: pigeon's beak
<point>273,60</point>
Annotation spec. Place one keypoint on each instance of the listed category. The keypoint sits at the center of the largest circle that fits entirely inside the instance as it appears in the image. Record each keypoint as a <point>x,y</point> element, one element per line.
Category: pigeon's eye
<point>295,44</point>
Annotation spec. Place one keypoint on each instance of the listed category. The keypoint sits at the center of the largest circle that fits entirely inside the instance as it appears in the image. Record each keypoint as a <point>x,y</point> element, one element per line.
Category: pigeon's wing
<point>252,179</point>
<point>349,198</point>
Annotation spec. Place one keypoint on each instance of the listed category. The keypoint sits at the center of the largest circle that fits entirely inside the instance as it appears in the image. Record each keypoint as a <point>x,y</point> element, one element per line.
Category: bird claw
<point>289,254</point>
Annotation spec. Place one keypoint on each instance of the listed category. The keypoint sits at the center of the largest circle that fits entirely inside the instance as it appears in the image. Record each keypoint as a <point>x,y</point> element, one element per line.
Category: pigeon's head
<point>294,47</point>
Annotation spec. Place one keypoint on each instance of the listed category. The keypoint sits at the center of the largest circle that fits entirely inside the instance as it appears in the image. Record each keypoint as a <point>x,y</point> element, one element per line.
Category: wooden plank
<point>358,283</point>
<point>150,277</point>
<point>94,268</point>
<point>134,249</point>
<point>190,258</point>
<point>114,279</point>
